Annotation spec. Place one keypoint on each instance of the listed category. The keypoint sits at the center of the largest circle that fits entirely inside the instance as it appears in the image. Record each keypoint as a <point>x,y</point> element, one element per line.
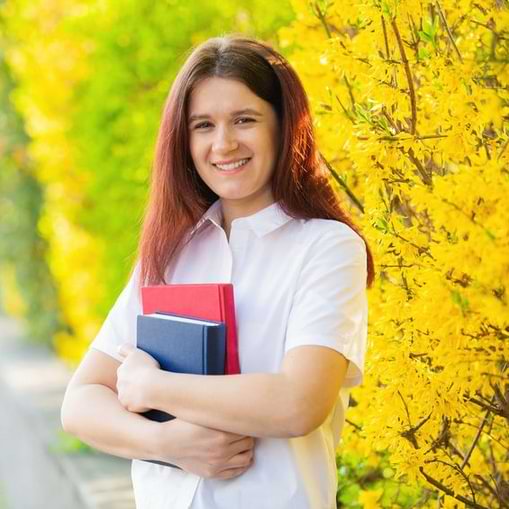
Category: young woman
<point>238,195</point>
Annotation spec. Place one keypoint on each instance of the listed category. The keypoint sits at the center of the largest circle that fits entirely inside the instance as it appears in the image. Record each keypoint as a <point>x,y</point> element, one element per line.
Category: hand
<point>206,452</point>
<point>134,377</point>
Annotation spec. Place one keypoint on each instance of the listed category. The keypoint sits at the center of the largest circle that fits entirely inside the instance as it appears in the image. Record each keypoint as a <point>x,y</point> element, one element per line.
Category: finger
<point>235,471</point>
<point>230,474</point>
<point>239,460</point>
<point>238,449</point>
<point>246,444</point>
<point>239,438</point>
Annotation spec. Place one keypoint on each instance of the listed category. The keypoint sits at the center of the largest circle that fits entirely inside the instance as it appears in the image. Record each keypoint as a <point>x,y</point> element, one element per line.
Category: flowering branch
<point>406,64</point>
<point>343,184</point>
<point>447,29</point>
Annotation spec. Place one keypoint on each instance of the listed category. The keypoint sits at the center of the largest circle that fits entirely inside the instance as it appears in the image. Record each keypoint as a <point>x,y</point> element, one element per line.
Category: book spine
<point>221,289</point>
<point>214,343</point>
<point>228,304</point>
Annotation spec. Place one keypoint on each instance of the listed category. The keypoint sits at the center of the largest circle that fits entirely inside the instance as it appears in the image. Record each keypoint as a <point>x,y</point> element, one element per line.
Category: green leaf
<point>461,301</point>
<point>423,54</point>
<point>381,224</point>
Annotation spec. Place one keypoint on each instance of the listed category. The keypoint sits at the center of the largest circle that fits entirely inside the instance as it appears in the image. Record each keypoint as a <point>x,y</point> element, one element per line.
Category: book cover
<point>182,345</point>
<point>210,301</point>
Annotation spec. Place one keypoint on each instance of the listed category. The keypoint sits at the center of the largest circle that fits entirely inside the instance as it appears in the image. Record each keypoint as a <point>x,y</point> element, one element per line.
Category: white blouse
<point>296,282</point>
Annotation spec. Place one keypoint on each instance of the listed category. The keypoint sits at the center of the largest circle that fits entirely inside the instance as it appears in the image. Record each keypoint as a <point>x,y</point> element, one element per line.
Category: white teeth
<point>232,166</point>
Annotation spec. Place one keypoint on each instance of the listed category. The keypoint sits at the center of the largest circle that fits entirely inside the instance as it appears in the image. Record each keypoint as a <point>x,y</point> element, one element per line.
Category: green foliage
<point>3,501</point>
<point>91,86</point>
<point>69,444</point>
<point>119,107</point>
<point>358,473</point>
<point>21,246</point>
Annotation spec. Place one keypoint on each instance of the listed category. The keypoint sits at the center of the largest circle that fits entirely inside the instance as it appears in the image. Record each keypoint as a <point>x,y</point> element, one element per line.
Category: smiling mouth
<point>232,166</point>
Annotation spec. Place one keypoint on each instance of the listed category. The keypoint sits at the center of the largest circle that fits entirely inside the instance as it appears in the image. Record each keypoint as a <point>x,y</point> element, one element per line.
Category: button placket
<point>227,257</point>
<point>238,245</point>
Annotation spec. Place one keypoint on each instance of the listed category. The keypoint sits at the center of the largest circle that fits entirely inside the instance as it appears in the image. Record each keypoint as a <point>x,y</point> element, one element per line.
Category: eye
<point>202,125</point>
<point>246,119</point>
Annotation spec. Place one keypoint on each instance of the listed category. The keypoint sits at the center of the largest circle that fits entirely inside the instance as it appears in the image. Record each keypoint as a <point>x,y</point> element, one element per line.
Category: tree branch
<point>345,111</point>
<point>356,426</point>
<point>406,64</point>
<point>342,183</point>
<point>398,138</point>
<point>502,150</point>
<point>492,409</point>
<point>460,471</point>
<point>448,491</point>
<point>350,92</point>
<point>447,29</point>
<point>387,51</point>
<point>321,16</point>
<point>425,176</point>
<point>476,439</point>
<point>469,217</point>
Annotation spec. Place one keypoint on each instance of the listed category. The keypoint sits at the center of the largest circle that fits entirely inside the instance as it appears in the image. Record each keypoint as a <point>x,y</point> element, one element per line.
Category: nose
<point>224,140</point>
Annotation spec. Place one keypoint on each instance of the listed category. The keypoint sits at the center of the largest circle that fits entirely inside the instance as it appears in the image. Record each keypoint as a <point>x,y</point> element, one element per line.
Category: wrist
<point>158,390</point>
<point>148,440</point>
<point>150,388</point>
<point>163,441</point>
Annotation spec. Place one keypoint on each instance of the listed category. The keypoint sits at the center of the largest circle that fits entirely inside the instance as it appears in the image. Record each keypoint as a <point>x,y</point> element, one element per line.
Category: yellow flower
<point>371,499</point>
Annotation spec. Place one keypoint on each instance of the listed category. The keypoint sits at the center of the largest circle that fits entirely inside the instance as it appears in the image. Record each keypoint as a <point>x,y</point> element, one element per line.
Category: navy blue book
<point>181,344</point>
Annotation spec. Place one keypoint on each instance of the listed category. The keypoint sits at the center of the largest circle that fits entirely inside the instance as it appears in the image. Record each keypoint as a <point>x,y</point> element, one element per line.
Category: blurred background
<point>410,101</point>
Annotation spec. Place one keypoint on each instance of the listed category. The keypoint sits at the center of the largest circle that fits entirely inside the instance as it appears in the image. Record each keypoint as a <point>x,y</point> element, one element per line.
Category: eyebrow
<point>245,111</point>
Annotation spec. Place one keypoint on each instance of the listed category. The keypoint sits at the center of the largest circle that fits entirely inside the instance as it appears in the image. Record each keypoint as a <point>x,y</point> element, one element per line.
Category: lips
<point>231,161</point>
<point>231,166</point>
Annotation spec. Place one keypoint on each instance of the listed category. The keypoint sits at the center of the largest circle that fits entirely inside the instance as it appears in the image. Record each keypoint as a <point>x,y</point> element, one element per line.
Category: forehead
<point>220,94</point>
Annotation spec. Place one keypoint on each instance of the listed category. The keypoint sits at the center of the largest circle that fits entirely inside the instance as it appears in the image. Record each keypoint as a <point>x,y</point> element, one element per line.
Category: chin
<point>233,196</point>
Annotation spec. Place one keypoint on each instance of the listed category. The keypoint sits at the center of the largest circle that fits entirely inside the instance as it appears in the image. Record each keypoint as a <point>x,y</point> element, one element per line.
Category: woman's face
<point>233,137</point>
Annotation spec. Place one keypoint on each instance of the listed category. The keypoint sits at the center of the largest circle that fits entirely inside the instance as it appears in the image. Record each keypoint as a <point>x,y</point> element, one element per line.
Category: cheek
<point>197,145</point>
<point>272,148</point>
<point>193,150</point>
<point>271,140</point>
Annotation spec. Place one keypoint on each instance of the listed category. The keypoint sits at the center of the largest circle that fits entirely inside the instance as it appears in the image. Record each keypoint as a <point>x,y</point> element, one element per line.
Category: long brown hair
<point>178,197</point>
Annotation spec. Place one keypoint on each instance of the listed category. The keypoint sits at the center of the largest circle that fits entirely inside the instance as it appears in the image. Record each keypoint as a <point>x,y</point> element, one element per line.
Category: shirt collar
<point>214,214</point>
<point>262,222</point>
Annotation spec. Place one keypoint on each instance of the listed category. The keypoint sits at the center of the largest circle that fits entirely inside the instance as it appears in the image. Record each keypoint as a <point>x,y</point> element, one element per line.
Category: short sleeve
<point>120,324</point>
<point>330,307</point>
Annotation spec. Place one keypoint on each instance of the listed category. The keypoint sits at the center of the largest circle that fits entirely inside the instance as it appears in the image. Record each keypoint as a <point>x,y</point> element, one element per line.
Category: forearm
<point>93,413</point>
<point>257,404</point>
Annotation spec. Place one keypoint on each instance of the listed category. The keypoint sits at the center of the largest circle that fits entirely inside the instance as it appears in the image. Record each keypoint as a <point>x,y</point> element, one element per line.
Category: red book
<point>209,301</point>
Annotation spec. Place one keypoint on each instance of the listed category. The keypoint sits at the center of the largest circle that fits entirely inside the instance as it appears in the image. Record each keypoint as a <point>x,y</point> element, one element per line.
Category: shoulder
<point>329,242</point>
<point>327,231</point>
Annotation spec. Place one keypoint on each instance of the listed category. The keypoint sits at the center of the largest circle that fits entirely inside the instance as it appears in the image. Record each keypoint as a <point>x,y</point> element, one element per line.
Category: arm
<point>328,312</point>
<point>91,411</point>
<point>290,403</point>
<point>105,424</point>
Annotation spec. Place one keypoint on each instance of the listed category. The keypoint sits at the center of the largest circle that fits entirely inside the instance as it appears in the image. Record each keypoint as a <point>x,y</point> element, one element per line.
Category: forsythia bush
<point>26,286</point>
<point>411,102</point>
<point>411,105</point>
<point>48,62</point>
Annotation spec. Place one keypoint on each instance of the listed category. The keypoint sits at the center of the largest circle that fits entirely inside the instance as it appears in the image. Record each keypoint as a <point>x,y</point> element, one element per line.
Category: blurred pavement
<point>33,473</point>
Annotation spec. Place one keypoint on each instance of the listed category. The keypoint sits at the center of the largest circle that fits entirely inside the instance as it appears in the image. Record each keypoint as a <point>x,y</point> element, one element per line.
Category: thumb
<point>125,349</point>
